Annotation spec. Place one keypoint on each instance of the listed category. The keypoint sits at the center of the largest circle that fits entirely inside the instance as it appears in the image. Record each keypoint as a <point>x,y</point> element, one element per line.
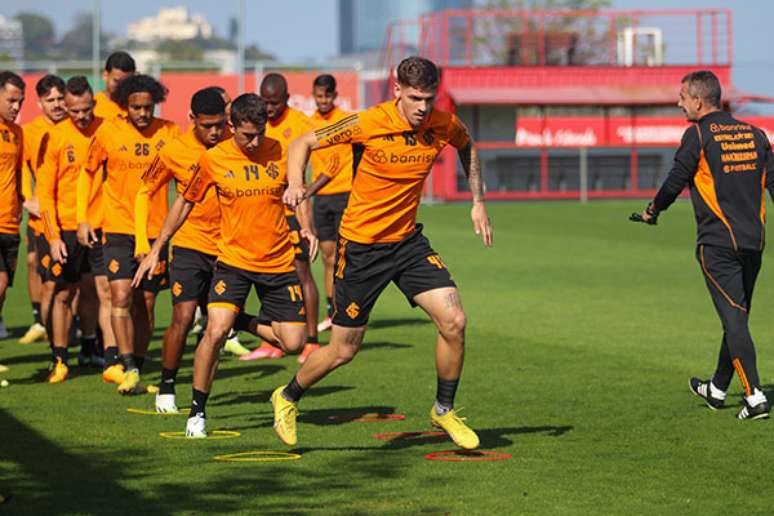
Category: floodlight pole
<point>95,48</point>
<point>241,48</point>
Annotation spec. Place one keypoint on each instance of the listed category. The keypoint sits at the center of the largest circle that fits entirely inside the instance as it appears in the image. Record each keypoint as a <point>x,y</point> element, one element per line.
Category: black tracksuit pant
<point>730,277</point>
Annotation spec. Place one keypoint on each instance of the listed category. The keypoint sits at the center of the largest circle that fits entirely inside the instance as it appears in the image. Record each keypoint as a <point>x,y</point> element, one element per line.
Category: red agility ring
<point>463,456</point>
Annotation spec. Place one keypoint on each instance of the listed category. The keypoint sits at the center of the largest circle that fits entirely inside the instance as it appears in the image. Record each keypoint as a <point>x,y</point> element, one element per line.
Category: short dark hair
<point>8,77</point>
<point>705,85</point>
<point>47,83</point>
<point>217,89</point>
<point>418,72</point>
<point>326,81</point>
<point>248,107</point>
<point>78,85</point>
<point>139,83</point>
<point>208,101</point>
<point>121,61</point>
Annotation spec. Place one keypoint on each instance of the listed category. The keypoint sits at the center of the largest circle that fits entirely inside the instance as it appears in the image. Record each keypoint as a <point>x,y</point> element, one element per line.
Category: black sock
<point>329,304</point>
<point>88,345</point>
<point>138,361</point>
<point>445,393</point>
<point>246,322</point>
<point>111,356</point>
<point>168,377</point>
<point>36,312</point>
<point>128,361</point>
<point>312,340</point>
<point>61,354</point>
<point>198,402</point>
<point>293,391</point>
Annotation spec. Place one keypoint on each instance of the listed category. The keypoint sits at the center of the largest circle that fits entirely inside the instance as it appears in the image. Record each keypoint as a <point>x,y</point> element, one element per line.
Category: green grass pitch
<point>583,331</point>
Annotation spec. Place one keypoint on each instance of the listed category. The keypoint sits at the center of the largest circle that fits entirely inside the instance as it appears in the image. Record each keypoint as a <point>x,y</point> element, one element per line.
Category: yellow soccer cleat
<point>59,372</point>
<point>285,413</point>
<point>452,424</point>
<point>131,383</point>
<point>114,374</point>
<point>35,333</point>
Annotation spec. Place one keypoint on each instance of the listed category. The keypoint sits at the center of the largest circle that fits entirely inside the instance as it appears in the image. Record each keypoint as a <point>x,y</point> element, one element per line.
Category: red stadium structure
<point>566,105</point>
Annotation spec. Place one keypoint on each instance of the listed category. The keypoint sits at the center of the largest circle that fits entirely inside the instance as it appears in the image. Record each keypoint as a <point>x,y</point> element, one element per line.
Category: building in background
<point>171,23</point>
<point>11,40</point>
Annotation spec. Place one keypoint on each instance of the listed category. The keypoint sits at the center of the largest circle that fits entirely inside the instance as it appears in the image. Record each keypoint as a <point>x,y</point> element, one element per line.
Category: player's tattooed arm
<point>472,167</point>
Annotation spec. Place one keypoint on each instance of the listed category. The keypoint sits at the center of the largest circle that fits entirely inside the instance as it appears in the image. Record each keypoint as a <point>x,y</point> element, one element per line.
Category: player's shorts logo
<point>114,266</point>
<point>56,270</point>
<point>380,157</point>
<point>45,261</point>
<point>353,310</point>
<point>161,268</point>
<point>220,287</point>
<point>177,289</point>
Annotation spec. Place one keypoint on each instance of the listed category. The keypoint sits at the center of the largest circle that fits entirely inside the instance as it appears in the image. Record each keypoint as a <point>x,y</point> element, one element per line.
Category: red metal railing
<point>496,37</point>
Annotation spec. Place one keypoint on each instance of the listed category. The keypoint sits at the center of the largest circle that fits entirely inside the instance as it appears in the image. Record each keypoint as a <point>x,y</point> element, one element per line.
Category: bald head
<point>274,93</point>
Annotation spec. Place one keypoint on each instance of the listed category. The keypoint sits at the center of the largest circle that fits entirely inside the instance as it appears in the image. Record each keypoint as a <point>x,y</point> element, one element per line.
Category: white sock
<point>717,393</point>
<point>441,409</point>
<point>757,398</point>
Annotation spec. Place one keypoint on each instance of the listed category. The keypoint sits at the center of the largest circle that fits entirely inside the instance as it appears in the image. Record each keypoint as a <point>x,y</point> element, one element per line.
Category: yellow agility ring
<point>148,412</point>
<point>215,434</point>
<point>257,456</point>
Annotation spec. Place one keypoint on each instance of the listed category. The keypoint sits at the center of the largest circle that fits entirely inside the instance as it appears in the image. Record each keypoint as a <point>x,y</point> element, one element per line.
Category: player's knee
<point>293,345</point>
<point>453,325</point>
<point>31,261</point>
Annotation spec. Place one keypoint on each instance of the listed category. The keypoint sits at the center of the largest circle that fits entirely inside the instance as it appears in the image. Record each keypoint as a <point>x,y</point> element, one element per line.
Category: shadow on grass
<point>383,345</point>
<point>263,396</point>
<point>16,332</point>
<point>391,323</point>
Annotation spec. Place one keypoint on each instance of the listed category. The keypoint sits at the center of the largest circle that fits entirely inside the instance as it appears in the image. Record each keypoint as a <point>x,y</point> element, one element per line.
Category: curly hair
<point>418,72</point>
<point>139,84</point>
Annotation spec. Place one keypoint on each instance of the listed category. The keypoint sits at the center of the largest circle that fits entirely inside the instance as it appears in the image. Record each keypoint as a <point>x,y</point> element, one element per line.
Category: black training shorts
<point>300,246</point>
<point>280,293</point>
<point>9,252</point>
<point>328,210</point>
<point>70,271</point>
<point>363,271</point>
<point>190,273</point>
<point>118,252</point>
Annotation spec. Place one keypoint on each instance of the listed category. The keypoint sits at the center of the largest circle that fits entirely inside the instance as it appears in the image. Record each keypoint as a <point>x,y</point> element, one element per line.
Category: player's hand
<point>86,235</point>
<point>33,207</point>
<point>481,223</point>
<point>314,243</point>
<point>648,216</point>
<point>293,196</point>
<point>145,269</point>
<point>58,251</point>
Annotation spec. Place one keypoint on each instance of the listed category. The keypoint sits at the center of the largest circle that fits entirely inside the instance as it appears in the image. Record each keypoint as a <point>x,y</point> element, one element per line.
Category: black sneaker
<point>702,389</point>
<point>759,411</point>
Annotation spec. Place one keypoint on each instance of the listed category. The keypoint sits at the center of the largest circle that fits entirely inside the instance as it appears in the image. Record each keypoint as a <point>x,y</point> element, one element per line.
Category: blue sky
<point>296,30</point>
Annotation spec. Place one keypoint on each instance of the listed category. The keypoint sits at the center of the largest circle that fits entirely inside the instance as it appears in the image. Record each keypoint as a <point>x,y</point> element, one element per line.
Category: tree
<point>181,50</point>
<point>566,40</point>
<point>76,43</point>
<point>253,53</point>
<point>38,35</point>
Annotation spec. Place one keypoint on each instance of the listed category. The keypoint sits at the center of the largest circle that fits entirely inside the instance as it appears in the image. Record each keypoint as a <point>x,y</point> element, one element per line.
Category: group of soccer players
<point>96,172</point>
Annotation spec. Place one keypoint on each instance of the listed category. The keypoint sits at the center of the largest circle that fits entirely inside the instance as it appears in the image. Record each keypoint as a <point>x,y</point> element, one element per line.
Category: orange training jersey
<point>291,125</point>
<point>396,159</point>
<point>178,160</point>
<point>104,107</point>
<point>126,154</point>
<point>58,185</point>
<point>36,136</point>
<point>334,162</point>
<point>11,153</point>
<point>254,232</point>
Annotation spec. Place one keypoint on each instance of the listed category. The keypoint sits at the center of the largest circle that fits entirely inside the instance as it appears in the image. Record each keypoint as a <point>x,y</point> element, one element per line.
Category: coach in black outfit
<point>724,162</point>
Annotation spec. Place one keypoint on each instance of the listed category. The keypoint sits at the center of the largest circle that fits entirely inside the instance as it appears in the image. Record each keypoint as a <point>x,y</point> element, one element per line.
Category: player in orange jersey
<point>284,125</point>
<point>11,154</point>
<point>74,267</point>
<point>380,241</point>
<point>50,90</point>
<point>119,66</point>
<point>247,171</point>
<point>195,246</point>
<point>329,203</point>
<point>126,148</point>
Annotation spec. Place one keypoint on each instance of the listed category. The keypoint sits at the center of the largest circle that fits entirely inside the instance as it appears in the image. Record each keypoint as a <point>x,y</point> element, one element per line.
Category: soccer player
<point>194,248</point>
<point>381,242</point>
<point>11,154</point>
<point>126,147</point>
<point>284,125</point>
<point>254,250</point>
<point>726,163</point>
<point>119,66</point>
<point>73,265</point>
<point>50,90</point>
<point>329,204</point>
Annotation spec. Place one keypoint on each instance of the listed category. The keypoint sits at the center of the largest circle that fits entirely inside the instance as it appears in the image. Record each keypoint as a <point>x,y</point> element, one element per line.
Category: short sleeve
<point>351,129</point>
<point>200,182</point>
<point>457,133</point>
